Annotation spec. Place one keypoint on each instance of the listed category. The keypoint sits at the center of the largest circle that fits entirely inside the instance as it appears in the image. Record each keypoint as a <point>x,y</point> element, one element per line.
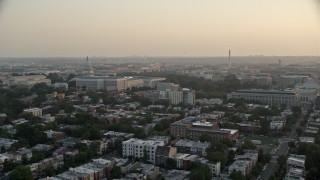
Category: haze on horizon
<point>60,28</point>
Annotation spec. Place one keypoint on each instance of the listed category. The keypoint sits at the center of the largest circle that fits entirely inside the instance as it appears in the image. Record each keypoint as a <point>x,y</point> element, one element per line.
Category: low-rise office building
<point>192,128</point>
<point>108,83</point>
<point>28,80</point>
<point>270,97</point>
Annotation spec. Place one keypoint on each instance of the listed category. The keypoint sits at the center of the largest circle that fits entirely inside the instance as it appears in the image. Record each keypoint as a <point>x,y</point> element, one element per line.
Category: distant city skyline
<point>74,28</point>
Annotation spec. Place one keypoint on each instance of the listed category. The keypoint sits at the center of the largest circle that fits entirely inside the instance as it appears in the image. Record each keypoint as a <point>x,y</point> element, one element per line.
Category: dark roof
<point>258,91</point>
<point>163,150</point>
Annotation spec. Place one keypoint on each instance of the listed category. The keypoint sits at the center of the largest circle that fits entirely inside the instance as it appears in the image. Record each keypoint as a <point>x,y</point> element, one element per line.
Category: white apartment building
<point>241,166</point>
<point>244,163</point>
<point>270,97</point>
<point>137,148</point>
<point>296,161</point>
<point>34,111</point>
<point>295,167</point>
<point>215,168</point>
<point>175,97</point>
<point>188,96</point>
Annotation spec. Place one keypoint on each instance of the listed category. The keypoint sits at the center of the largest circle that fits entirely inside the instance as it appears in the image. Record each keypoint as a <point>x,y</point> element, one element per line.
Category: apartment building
<point>163,153</point>
<point>244,163</point>
<point>188,96</point>
<point>7,143</point>
<point>215,168</point>
<point>98,169</point>
<point>295,167</point>
<point>56,162</point>
<point>175,97</point>
<point>137,148</point>
<point>192,147</point>
<point>184,160</point>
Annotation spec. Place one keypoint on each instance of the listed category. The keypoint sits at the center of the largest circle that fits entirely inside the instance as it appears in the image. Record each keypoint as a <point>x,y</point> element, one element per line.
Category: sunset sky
<point>38,28</point>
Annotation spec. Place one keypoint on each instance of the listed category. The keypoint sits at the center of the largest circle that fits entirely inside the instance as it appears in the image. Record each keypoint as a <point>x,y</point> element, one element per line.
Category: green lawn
<point>264,139</point>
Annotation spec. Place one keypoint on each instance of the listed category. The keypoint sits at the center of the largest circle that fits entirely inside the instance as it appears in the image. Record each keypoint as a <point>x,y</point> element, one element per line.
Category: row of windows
<point>130,149</point>
<point>131,145</point>
<point>265,97</point>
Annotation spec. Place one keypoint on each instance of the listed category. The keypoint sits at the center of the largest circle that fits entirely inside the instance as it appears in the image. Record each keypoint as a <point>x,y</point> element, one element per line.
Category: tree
<point>171,164</point>
<point>272,177</point>
<point>145,102</point>
<point>247,144</point>
<point>70,162</point>
<point>149,117</point>
<point>9,166</point>
<point>49,171</point>
<point>317,139</point>
<point>282,160</point>
<point>163,125</point>
<point>54,77</point>
<point>95,147</point>
<point>116,172</point>
<point>70,76</point>
<point>33,134</point>
<point>296,110</point>
<point>217,156</point>
<point>236,175</point>
<point>204,137</point>
<point>235,119</point>
<point>145,156</point>
<point>299,131</point>
<point>231,155</point>
<point>201,172</point>
<point>21,173</point>
<point>42,89</point>
<point>20,144</point>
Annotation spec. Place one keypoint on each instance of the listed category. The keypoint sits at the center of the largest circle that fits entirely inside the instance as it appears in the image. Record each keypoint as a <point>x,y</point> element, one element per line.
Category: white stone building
<point>175,97</point>
<point>137,148</point>
<point>270,97</point>
<point>34,111</point>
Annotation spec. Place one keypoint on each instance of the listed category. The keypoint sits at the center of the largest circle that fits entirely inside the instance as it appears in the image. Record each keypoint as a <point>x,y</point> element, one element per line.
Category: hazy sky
<point>159,27</point>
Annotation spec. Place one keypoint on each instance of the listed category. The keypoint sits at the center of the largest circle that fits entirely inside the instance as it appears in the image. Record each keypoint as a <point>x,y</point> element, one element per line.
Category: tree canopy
<point>21,173</point>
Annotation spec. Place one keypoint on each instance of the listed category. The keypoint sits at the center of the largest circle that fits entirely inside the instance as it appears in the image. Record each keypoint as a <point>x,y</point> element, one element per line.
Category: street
<point>283,150</point>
